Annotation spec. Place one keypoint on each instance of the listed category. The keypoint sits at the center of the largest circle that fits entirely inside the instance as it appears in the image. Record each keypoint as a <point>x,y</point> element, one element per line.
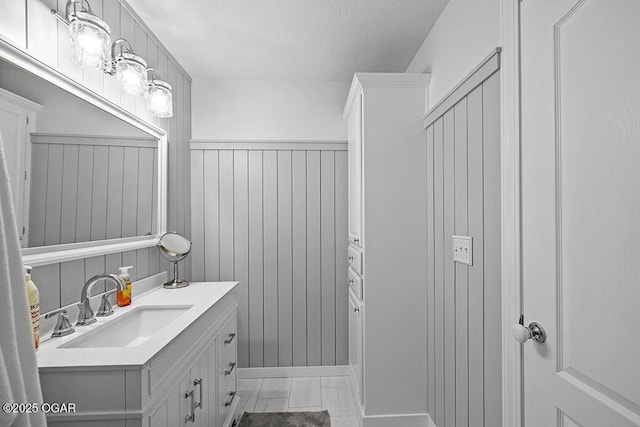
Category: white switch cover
<point>463,249</point>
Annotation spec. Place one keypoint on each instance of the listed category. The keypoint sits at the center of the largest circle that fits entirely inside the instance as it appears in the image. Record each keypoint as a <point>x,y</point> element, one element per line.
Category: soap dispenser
<point>33,297</point>
<point>124,297</point>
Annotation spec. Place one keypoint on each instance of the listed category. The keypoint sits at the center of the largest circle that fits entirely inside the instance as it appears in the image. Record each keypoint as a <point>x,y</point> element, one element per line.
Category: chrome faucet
<point>86,316</point>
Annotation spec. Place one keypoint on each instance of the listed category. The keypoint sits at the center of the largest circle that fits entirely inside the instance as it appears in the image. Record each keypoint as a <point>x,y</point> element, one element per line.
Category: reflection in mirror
<point>78,174</point>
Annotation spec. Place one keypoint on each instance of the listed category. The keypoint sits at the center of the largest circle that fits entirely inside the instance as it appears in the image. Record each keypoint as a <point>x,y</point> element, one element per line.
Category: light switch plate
<point>463,249</point>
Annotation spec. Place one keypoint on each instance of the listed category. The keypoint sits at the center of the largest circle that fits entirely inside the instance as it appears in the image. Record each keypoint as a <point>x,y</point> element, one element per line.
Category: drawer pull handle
<point>230,339</point>
<point>350,280</point>
<point>198,383</point>
<point>350,257</point>
<point>356,240</point>
<point>192,416</point>
<point>230,370</point>
<point>230,401</point>
<point>356,309</point>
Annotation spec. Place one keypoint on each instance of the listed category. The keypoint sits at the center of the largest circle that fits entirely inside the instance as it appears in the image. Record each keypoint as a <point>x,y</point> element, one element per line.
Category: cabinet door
<point>209,373</point>
<point>158,418</point>
<point>203,383</point>
<point>16,123</point>
<point>355,343</point>
<point>175,407</point>
<point>192,400</point>
<point>355,173</point>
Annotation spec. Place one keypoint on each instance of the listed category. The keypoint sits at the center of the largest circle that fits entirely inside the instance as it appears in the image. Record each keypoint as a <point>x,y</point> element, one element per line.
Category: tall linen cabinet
<point>387,252</point>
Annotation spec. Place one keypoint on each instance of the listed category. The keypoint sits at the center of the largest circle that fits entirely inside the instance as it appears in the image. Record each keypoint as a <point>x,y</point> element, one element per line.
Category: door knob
<point>534,331</point>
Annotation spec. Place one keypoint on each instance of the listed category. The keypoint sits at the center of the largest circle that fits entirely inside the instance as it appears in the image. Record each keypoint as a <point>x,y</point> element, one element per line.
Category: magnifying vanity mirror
<point>87,177</point>
<point>174,247</point>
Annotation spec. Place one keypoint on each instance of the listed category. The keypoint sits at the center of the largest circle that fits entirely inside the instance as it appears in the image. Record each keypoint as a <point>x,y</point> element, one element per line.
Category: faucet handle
<point>85,313</point>
<point>105,309</point>
<point>63,326</point>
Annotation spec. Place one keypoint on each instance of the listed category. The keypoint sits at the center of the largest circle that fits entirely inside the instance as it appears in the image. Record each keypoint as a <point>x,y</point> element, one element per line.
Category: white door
<point>581,211</point>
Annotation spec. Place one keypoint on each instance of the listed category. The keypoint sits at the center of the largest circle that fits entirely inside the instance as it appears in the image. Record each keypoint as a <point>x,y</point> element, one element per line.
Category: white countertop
<point>201,295</point>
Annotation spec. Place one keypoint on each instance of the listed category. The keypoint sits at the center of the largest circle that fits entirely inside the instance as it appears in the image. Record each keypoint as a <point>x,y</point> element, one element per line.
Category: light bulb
<point>160,99</point>
<point>90,40</point>
<point>132,73</point>
<point>157,101</point>
<point>131,81</point>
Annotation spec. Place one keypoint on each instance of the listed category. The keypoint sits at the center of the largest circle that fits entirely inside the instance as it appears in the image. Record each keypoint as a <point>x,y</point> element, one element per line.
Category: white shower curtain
<point>19,382</point>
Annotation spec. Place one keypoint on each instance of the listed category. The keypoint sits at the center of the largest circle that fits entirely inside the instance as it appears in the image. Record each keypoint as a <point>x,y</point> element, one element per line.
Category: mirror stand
<point>175,283</point>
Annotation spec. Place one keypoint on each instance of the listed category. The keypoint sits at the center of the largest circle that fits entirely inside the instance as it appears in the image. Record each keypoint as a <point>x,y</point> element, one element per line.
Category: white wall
<point>268,110</point>
<point>464,35</point>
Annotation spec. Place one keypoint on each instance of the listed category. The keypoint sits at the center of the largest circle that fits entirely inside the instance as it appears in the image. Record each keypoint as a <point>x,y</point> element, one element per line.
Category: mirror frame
<point>53,254</point>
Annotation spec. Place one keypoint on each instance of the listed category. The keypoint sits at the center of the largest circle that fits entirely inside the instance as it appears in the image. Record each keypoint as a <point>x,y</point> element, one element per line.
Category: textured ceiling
<point>290,39</point>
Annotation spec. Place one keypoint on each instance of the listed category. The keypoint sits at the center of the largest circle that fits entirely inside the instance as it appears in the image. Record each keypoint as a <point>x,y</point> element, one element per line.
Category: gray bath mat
<point>285,419</point>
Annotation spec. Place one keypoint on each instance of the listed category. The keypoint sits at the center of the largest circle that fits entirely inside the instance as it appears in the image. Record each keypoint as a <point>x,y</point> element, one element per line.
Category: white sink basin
<point>130,329</point>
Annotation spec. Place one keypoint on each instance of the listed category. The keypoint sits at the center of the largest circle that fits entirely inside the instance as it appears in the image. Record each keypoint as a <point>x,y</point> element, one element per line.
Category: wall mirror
<point>87,177</point>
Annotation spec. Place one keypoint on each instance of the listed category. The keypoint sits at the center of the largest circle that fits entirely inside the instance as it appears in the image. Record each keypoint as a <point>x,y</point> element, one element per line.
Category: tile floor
<point>300,394</point>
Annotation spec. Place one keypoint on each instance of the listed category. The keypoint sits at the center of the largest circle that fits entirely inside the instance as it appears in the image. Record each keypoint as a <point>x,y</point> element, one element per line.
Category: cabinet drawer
<point>227,403</point>
<point>355,282</point>
<point>228,337</point>
<point>227,390</point>
<point>354,257</point>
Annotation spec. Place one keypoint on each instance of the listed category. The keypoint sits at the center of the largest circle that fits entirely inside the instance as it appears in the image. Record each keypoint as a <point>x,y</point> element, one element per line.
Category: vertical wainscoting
<point>463,195</point>
<point>86,188</point>
<point>274,217</point>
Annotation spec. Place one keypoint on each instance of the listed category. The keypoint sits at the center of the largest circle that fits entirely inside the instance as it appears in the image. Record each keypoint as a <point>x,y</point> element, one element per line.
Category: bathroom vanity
<point>168,359</point>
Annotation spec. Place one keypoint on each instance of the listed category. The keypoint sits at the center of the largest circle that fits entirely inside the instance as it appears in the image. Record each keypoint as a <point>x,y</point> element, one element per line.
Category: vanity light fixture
<point>129,68</point>
<point>90,36</point>
<point>91,46</point>
<point>159,96</point>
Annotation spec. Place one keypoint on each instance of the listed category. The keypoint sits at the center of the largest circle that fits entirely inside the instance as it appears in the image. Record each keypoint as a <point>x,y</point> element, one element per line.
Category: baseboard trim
<point>396,420</point>
<point>387,420</point>
<point>294,371</point>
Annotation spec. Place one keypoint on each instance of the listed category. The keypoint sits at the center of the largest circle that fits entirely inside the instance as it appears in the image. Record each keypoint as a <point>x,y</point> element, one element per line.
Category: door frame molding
<point>510,164</point>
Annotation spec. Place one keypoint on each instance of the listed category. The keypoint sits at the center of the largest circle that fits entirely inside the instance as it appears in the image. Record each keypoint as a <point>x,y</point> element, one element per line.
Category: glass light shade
<point>160,99</point>
<point>131,71</point>
<point>90,40</point>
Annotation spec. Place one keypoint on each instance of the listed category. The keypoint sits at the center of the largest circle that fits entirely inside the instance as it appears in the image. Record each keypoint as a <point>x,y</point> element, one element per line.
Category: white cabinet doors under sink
<point>171,410</point>
<point>205,396</point>
<point>192,400</point>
